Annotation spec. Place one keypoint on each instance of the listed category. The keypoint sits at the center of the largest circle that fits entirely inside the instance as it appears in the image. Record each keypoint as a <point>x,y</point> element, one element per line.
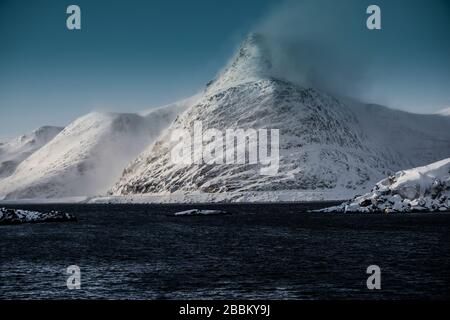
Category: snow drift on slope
<point>87,156</point>
<point>13,152</point>
<point>420,189</point>
<point>325,145</point>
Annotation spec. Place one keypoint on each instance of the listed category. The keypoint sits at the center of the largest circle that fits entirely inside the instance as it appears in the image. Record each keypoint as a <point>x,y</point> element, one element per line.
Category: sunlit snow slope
<point>14,151</point>
<point>88,155</point>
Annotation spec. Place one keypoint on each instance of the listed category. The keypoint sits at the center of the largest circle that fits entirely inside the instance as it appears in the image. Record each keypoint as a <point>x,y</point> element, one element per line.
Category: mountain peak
<point>251,62</point>
<point>254,43</point>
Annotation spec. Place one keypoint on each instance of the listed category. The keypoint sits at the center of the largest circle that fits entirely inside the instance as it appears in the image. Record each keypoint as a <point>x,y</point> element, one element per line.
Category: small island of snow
<point>198,212</point>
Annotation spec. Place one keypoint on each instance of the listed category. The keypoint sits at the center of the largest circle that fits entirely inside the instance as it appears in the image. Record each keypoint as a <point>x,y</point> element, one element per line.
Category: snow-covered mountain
<point>326,144</point>
<point>424,188</point>
<point>13,152</point>
<point>330,147</point>
<point>88,156</point>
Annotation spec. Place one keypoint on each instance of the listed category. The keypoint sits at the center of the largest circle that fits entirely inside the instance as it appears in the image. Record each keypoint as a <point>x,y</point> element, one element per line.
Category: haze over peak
<point>305,63</point>
<point>251,62</point>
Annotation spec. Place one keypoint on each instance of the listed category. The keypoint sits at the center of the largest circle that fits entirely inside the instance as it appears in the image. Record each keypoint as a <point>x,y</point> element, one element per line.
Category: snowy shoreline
<point>421,189</point>
<point>197,198</point>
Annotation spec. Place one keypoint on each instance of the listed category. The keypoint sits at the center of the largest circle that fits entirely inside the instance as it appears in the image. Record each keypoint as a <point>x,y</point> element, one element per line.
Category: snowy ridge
<point>170,111</point>
<point>424,188</point>
<point>13,152</point>
<point>328,146</point>
<point>87,156</point>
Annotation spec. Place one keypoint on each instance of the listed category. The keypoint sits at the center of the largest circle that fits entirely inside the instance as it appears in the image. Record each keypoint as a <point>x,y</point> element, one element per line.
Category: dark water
<point>261,251</point>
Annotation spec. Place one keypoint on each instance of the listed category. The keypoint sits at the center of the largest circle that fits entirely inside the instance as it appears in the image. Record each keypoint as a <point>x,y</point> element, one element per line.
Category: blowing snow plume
<point>314,45</point>
<point>326,45</point>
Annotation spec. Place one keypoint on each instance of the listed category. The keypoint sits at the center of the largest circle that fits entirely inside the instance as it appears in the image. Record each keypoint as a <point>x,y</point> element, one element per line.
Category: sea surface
<point>261,251</point>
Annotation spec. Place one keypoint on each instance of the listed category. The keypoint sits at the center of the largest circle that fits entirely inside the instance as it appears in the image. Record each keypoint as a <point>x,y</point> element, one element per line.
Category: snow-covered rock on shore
<point>198,212</point>
<point>16,216</point>
<point>424,188</point>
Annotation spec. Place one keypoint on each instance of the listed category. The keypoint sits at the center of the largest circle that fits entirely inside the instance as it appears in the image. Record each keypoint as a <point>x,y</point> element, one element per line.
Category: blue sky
<point>133,55</point>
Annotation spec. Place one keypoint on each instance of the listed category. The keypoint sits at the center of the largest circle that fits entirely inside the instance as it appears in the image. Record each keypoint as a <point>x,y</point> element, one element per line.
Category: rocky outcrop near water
<point>423,189</point>
<point>16,216</point>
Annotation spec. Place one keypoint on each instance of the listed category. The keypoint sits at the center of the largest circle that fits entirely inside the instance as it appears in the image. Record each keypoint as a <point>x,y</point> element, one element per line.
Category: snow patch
<point>198,212</point>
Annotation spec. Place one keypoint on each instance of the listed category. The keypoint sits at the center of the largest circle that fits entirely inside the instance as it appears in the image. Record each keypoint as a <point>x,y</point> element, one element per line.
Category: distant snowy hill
<point>424,188</point>
<point>88,155</point>
<point>326,145</point>
<point>444,112</point>
<point>13,152</point>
